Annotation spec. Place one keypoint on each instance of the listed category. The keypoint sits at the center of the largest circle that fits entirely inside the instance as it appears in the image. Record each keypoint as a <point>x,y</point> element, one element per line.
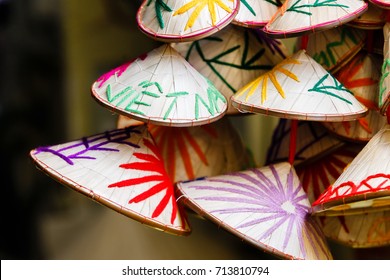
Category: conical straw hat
<point>384,90</point>
<point>373,18</point>
<point>256,13</point>
<point>384,4</point>
<point>359,231</point>
<point>266,207</point>
<point>185,20</point>
<point>233,57</point>
<point>333,48</point>
<point>120,169</point>
<point>361,76</point>
<point>162,88</point>
<point>313,140</point>
<point>364,186</point>
<point>207,150</point>
<point>298,17</point>
<point>299,88</point>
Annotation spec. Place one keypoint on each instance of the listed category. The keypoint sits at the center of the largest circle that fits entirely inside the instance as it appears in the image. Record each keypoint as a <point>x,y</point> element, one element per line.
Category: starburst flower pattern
<point>198,6</point>
<point>159,180</point>
<point>266,207</point>
<point>261,82</point>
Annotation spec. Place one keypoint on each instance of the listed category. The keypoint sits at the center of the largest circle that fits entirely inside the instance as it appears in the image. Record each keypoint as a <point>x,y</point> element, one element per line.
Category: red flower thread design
<point>163,182</point>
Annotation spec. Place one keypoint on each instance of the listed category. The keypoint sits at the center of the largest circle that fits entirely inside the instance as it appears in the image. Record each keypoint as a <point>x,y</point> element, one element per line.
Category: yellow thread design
<point>199,6</point>
<point>252,86</point>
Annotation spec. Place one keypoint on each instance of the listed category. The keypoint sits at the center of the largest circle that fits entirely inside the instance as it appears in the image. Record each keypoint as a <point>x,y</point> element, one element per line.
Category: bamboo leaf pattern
<point>320,88</point>
<point>327,57</point>
<point>162,182</point>
<point>383,90</point>
<point>248,7</point>
<point>211,104</point>
<point>160,6</point>
<point>100,142</point>
<point>247,63</point>
<point>305,8</point>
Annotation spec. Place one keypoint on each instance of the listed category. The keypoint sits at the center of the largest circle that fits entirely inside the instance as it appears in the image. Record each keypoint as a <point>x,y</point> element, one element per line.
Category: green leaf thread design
<point>318,87</point>
<point>382,86</point>
<point>160,5</point>
<point>175,95</point>
<point>318,3</point>
<point>213,96</point>
<point>248,7</point>
<point>327,58</point>
<point>133,97</point>
<point>246,63</point>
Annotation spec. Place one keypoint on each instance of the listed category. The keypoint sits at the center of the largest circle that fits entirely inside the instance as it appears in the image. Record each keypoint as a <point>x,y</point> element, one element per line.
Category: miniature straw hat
<point>359,231</point>
<point>120,169</point>
<point>364,186</point>
<point>299,88</point>
<point>233,57</point>
<point>185,20</point>
<point>373,18</point>
<point>162,88</point>
<point>384,4</point>
<point>361,76</point>
<point>298,17</point>
<point>266,207</point>
<point>333,48</point>
<point>256,13</point>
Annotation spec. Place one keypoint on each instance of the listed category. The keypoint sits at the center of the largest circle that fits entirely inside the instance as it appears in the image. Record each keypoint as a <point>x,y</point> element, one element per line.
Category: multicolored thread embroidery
<point>97,142</point>
<point>382,86</point>
<point>247,63</point>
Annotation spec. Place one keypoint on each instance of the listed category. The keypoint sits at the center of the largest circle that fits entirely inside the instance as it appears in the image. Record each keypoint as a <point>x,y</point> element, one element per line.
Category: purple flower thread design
<point>93,143</point>
<point>277,202</point>
<point>273,45</point>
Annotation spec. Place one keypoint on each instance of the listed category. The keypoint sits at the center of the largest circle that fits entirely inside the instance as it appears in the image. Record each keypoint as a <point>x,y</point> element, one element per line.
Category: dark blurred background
<point>51,51</point>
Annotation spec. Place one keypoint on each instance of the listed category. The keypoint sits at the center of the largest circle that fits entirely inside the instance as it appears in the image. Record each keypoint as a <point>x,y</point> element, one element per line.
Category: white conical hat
<point>384,90</point>
<point>185,20</point>
<point>266,207</point>
<point>120,169</point>
<point>297,17</point>
<point>361,75</point>
<point>373,18</point>
<point>312,141</point>
<point>364,186</point>
<point>299,88</point>
<point>162,88</point>
<point>233,57</point>
<point>333,48</point>
<point>256,13</point>
<point>385,4</point>
<point>359,231</point>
